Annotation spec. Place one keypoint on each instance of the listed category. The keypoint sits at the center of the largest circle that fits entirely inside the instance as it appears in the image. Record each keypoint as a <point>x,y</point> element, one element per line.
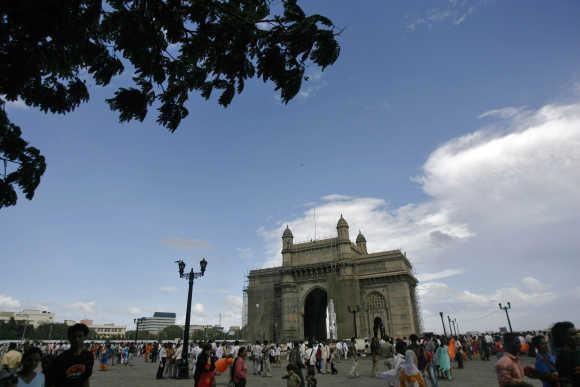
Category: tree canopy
<point>49,49</point>
<point>170,333</point>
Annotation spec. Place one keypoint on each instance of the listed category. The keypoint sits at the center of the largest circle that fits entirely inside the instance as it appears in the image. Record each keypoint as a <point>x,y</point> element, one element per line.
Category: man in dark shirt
<point>73,367</point>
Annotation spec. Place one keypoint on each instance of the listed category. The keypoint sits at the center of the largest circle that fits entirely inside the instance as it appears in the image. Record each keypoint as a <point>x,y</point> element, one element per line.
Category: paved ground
<point>476,374</point>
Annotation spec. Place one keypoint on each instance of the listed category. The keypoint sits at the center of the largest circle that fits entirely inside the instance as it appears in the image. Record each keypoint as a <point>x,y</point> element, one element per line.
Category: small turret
<point>287,239</point>
<point>342,228</point>
<point>361,242</point>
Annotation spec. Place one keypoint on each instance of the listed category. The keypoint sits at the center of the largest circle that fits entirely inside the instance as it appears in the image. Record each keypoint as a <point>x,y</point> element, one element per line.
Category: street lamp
<point>183,367</point>
<point>258,336</point>
<point>450,329</point>
<point>443,323</point>
<point>354,309</point>
<point>137,321</point>
<point>506,308</point>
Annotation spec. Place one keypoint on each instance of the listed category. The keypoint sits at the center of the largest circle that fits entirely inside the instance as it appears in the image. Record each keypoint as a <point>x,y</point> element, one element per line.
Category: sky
<point>447,129</point>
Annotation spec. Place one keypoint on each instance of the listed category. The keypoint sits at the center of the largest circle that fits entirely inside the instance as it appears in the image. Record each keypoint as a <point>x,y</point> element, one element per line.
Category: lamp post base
<point>183,370</point>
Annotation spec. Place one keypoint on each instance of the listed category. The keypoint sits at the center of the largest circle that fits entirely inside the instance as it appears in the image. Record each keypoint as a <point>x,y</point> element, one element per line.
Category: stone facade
<point>379,286</point>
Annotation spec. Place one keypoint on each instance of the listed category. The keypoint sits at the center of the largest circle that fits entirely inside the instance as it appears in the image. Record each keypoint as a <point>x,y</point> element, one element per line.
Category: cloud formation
<point>502,204</point>
<point>8,302</point>
<point>439,275</point>
<point>454,12</point>
<point>86,308</point>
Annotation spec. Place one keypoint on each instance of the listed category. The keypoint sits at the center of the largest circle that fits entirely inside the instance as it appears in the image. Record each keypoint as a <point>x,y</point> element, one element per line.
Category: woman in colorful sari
<point>105,352</point>
<point>443,359</point>
<point>452,348</point>
<point>410,376</point>
<point>204,368</point>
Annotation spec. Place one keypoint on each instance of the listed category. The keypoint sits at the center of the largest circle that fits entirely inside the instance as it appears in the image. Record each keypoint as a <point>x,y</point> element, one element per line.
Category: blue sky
<point>482,202</point>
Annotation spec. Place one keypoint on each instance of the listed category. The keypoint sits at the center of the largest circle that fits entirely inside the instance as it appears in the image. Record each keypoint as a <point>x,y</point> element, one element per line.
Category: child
<point>292,380</point>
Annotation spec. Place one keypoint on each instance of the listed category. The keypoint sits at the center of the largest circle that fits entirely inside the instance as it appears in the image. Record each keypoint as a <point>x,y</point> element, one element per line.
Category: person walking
<point>28,377</point>
<point>508,368</point>
<point>204,375</point>
<point>266,361</point>
<point>292,379</point>
<point>410,376</point>
<point>162,362</point>
<point>257,358</point>
<point>375,348</point>
<point>73,367</point>
<point>12,358</point>
<point>170,363</point>
<point>311,364</point>
<point>443,360</point>
<point>354,370</point>
<point>239,370</point>
<point>295,359</point>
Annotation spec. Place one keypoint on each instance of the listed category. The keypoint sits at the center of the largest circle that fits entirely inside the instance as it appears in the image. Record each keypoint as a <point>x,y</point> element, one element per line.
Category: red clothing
<point>509,370</point>
<point>240,370</point>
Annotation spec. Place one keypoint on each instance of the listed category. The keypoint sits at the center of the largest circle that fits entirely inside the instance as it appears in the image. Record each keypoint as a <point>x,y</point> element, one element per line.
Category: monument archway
<point>315,307</point>
<point>377,314</point>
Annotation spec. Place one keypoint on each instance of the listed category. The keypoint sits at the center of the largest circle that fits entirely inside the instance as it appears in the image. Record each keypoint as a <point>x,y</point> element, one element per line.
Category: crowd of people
<point>406,362</point>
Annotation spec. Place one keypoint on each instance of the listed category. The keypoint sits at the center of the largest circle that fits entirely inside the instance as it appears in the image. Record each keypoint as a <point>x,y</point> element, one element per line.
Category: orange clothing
<point>410,380</point>
<point>451,349</point>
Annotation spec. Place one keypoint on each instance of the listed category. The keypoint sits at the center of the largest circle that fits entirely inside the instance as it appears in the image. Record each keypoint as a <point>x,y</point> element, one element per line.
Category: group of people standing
<point>61,366</point>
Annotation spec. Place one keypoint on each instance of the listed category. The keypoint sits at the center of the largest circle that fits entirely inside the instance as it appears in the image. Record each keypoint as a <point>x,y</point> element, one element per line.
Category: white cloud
<point>440,293</point>
<point>533,284</point>
<point>505,112</point>
<point>135,310</point>
<point>168,289</point>
<point>410,226</point>
<point>8,302</point>
<point>500,201</point>
<point>233,301</point>
<point>335,197</point>
<point>439,275</point>
<point>86,308</point>
<point>454,12</point>
<point>199,308</point>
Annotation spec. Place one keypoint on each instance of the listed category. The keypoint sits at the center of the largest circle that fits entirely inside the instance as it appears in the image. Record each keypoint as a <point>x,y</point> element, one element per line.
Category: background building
<point>102,330</point>
<point>157,323</point>
<point>34,317</point>
<point>332,288</point>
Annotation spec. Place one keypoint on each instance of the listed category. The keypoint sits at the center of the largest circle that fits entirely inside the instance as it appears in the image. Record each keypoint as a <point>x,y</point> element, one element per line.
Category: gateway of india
<point>331,289</point>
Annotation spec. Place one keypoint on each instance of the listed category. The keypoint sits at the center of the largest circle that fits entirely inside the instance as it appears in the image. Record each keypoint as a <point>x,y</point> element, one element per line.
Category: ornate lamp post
<point>506,308</point>
<point>183,370</point>
<point>137,321</point>
<point>443,323</point>
<point>354,309</point>
<point>450,329</point>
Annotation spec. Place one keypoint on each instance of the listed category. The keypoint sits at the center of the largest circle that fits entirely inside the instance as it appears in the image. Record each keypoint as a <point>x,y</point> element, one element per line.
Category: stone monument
<point>331,288</point>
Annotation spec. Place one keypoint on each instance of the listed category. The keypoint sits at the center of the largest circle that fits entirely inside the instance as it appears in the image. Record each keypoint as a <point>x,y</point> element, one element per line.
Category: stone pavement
<point>140,374</point>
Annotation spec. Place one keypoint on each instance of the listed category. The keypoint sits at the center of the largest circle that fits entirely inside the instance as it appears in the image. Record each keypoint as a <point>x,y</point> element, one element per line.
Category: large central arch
<point>315,306</point>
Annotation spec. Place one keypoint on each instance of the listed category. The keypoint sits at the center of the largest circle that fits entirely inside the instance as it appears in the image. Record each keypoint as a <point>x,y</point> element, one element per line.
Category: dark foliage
<point>49,48</point>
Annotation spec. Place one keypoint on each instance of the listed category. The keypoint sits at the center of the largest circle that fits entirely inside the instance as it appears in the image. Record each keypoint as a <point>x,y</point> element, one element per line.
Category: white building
<point>34,317</point>
<point>157,323</point>
<point>106,330</point>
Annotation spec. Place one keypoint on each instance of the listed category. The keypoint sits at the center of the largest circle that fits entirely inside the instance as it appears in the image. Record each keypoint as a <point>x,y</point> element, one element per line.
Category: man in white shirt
<point>267,370</point>
<point>257,358</point>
